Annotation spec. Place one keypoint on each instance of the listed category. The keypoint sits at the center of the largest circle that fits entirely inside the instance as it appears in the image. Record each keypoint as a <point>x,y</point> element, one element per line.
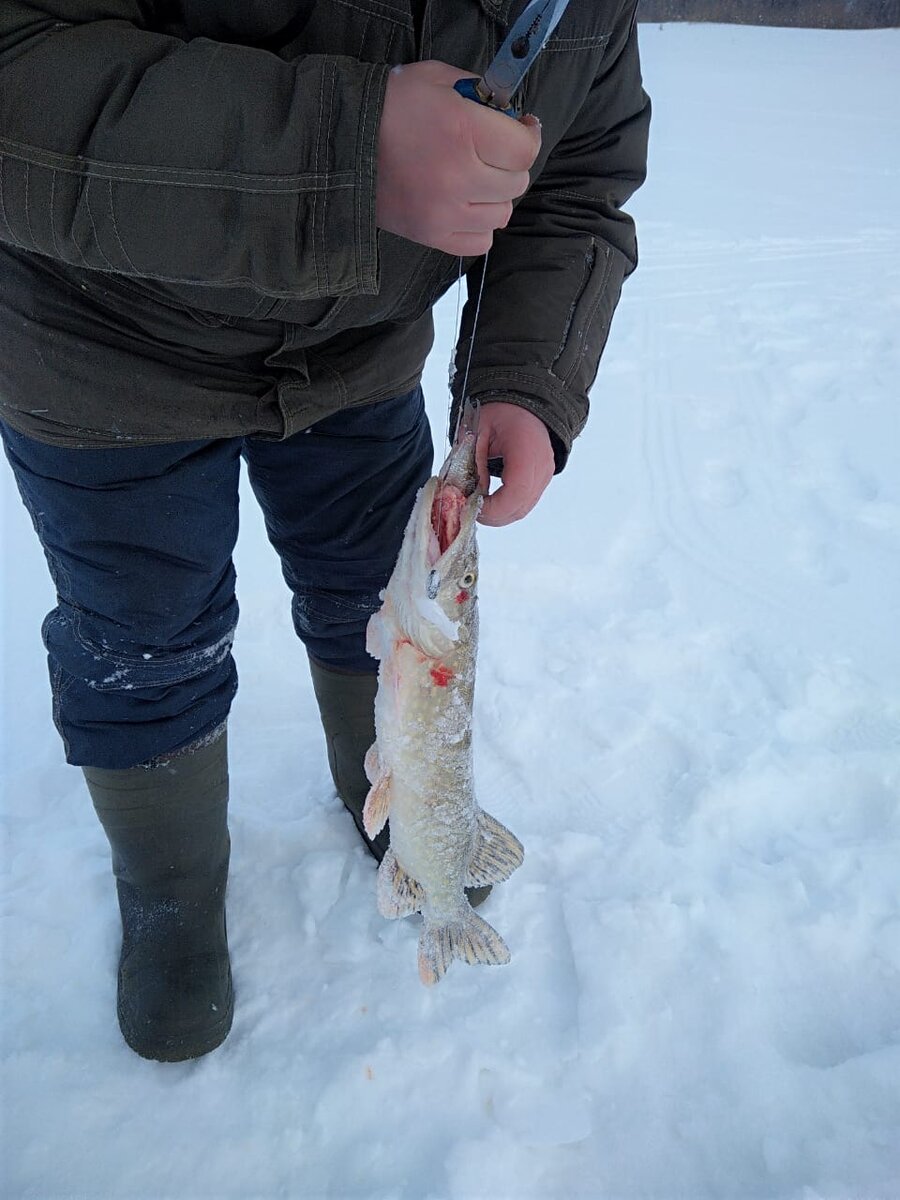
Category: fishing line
<point>453,434</point>
<point>463,394</point>
<point>464,390</point>
<point>451,372</point>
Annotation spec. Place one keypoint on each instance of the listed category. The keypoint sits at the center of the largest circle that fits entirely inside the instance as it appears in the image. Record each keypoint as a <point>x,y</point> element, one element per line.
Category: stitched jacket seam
<point>381,11</point>
<point>552,384</point>
<point>366,234</point>
<point>564,45</point>
<point>174,176</point>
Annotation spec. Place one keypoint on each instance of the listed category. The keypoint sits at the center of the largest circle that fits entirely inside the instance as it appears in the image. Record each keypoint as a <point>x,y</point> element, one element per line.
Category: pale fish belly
<point>429,756</point>
<point>441,841</point>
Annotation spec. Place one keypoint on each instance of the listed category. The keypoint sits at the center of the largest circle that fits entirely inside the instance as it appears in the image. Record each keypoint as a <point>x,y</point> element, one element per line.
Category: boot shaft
<point>167,824</point>
<point>347,710</point>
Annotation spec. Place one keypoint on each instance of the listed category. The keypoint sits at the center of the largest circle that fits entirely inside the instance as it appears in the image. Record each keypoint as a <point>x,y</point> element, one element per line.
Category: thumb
<point>533,125</point>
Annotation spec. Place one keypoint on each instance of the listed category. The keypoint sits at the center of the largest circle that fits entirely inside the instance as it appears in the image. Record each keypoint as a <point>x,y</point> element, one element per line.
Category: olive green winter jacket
<point>214,162</point>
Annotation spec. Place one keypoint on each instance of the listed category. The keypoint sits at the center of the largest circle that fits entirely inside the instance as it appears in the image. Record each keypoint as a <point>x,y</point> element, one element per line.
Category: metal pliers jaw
<point>524,42</point>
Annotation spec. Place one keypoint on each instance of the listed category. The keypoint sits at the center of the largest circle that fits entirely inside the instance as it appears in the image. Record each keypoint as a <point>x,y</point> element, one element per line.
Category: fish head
<point>434,585</point>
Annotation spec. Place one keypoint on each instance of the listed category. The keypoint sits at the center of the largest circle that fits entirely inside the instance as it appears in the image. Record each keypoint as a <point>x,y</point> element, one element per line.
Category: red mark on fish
<point>441,675</point>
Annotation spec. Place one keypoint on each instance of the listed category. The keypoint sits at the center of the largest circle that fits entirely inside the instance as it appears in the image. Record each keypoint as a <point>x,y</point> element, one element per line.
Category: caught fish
<point>420,767</point>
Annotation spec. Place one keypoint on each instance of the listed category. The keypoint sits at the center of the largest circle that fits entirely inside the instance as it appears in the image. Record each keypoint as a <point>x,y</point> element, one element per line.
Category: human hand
<point>521,439</point>
<point>448,169</point>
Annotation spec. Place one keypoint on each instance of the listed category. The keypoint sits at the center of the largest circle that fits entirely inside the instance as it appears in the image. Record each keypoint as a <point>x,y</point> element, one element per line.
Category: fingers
<point>480,222</point>
<point>521,439</point>
<point>520,491</point>
<point>493,186</point>
<point>465,245</point>
<point>481,218</point>
<point>503,143</point>
<point>448,169</point>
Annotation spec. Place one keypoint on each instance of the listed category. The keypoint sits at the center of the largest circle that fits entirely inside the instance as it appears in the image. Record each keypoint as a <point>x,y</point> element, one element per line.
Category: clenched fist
<point>448,169</point>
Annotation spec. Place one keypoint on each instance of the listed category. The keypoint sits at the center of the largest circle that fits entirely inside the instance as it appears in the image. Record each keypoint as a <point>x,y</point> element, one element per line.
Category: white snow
<point>688,709</point>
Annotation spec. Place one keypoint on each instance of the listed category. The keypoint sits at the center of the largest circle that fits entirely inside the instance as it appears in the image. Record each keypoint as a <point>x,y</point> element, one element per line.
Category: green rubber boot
<point>347,708</point>
<point>167,827</point>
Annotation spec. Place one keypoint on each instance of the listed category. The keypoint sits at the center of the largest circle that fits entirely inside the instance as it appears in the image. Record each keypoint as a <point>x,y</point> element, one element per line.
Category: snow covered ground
<point>689,711</point>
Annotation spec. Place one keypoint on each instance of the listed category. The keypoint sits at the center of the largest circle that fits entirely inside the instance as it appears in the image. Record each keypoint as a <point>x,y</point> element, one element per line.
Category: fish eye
<point>467,580</point>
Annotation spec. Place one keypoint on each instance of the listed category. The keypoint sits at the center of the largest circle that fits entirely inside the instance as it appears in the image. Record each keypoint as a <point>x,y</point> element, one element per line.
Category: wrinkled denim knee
<point>124,705</point>
<point>139,545</point>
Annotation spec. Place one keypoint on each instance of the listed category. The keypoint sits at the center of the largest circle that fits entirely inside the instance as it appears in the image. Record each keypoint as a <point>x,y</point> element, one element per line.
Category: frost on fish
<point>420,768</point>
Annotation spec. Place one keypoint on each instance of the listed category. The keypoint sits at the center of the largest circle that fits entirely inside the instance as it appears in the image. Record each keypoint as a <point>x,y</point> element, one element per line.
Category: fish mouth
<point>451,515</point>
<point>454,501</point>
<point>442,532</point>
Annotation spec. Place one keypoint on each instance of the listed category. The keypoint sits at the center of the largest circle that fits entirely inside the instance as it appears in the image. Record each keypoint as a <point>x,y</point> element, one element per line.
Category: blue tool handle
<point>466,88</point>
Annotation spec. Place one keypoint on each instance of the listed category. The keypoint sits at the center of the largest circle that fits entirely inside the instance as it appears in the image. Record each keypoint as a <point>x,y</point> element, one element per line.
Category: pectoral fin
<point>372,763</point>
<point>398,894</point>
<point>377,805</point>
<point>376,637</point>
<point>470,939</point>
<point>497,853</point>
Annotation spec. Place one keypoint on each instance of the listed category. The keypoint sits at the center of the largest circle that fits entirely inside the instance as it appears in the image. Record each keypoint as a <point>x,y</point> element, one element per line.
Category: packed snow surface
<point>688,708</point>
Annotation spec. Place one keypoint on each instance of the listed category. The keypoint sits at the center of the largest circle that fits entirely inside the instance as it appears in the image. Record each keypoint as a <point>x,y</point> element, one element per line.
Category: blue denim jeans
<point>139,543</point>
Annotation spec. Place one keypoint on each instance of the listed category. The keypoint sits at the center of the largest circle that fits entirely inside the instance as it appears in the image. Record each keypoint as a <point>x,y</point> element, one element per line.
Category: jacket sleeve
<point>124,149</point>
<point>554,275</point>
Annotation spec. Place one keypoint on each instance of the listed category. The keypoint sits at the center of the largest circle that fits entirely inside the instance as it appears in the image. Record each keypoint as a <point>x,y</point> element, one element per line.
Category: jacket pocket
<point>583,311</point>
<point>566,43</point>
<point>558,84</point>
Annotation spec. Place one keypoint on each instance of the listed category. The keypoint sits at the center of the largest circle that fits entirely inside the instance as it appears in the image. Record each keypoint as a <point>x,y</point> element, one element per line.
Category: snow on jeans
<point>139,543</point>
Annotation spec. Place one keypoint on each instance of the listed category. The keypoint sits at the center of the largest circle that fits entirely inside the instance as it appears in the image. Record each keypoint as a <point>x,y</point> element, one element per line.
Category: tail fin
<point>469,938</point>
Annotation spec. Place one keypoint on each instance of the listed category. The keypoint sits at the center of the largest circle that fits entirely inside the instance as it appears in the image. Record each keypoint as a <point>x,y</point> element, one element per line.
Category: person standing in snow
<point>223,227</point>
